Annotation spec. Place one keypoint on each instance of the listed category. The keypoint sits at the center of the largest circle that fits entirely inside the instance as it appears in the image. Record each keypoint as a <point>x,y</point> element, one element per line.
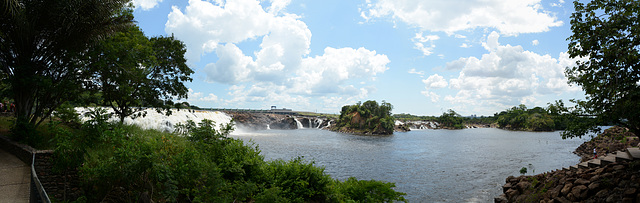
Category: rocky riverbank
<point>618,182</point>
<point>615,182</point>
<point>611,140</point>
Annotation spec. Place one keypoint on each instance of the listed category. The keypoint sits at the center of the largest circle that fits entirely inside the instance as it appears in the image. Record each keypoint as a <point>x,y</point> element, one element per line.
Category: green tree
<point>133,71</point>
<point>41,49</point>
<point>451,119</point>
<point>371,117</point>
<point>606,33</point>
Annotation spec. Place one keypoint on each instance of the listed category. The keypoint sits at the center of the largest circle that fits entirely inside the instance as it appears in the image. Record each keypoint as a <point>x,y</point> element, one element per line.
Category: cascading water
<point>298,122</point>
<point>318,123</point>
<point>155,120</point>
<point>268,128</point>
<point>310,123</point>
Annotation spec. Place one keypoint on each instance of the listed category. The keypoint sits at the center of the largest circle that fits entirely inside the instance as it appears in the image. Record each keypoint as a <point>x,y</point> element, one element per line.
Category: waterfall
<point>268,128</point>
<point>298,122</point>
<point>310,124</point>
<point>319,122</point>
<point>154,120</point>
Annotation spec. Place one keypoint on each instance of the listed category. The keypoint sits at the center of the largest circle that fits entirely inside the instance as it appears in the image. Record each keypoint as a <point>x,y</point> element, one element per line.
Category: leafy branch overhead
<point>606,35</point>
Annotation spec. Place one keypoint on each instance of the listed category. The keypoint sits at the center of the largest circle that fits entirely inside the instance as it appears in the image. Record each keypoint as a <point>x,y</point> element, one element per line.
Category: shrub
<point>368,191</point>
<point>299,181</point>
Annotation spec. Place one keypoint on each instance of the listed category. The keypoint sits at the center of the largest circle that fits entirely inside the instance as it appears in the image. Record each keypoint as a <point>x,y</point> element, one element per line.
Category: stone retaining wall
<point>57,185</point>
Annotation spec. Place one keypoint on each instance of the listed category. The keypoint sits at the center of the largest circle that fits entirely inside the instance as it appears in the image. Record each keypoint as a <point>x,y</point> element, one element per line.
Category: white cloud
<point>492,41</point>
<point>203,25</point>
<point>198,96</point>
<point>459,36</point>
<point>210,97</point>
<point>424,43</point>
<point>414,71</point>
<point>559,4</point>
<point>145,4</point>
<point>432,95</point>
<point>330,72</point>
<point>507,76</point>
<point>435,82</point>
<point>535,42</point>
<point>278,5</point>
<point>465,45</point>
<point>509,17</point>
<point>280,71</point>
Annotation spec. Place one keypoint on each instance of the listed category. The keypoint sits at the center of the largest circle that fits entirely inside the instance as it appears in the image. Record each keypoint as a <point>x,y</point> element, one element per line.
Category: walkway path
<point>629,154</point>
<point>15,179</point>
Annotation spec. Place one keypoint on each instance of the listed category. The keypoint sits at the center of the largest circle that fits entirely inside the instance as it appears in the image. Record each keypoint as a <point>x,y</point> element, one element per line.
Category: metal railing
<point>44,198</point>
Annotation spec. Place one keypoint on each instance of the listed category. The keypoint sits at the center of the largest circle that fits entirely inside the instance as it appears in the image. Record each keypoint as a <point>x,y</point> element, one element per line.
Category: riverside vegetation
<point>197,163</point>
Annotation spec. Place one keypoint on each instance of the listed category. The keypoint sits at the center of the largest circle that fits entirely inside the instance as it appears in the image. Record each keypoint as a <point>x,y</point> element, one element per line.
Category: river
<point>467,165</point>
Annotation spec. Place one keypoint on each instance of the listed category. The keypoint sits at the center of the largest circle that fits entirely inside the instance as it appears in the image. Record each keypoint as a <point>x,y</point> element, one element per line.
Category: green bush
<point>298,180</point>
<point>368,191</point>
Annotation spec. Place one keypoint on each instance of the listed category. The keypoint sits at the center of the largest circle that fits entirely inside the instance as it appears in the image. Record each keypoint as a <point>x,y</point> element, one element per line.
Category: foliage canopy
<point>42,44</point>
<point>133,71</point>
<point>606,33</point>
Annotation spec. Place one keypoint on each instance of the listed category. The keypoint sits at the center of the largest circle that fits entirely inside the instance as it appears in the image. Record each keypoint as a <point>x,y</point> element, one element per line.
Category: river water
<point>467,165</point>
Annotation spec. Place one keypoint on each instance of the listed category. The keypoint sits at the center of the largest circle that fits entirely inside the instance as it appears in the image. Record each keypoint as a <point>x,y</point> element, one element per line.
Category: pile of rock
<point>611,140</point>
<point>617,182</point>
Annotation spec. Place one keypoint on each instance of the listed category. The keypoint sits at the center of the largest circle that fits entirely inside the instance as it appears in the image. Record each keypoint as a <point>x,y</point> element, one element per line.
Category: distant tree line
<point>553,117</point>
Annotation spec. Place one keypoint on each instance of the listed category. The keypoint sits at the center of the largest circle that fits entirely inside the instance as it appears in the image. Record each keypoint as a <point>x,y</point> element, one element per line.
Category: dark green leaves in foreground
<point>119,163</point>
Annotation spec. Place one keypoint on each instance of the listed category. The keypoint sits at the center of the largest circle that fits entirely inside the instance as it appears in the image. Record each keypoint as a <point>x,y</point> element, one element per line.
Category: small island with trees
<point>366,118</point>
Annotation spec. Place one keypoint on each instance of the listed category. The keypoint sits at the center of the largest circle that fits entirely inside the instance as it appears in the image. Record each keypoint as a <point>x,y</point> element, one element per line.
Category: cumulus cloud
<point>145,4</point>
<point>507,76</point>
<point>435,82</point>
<point>281,68</point>
<point>509,17</point>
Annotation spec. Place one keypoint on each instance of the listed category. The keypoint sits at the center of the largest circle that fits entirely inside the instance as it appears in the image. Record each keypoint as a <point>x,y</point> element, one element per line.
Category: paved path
<point>15,177</point>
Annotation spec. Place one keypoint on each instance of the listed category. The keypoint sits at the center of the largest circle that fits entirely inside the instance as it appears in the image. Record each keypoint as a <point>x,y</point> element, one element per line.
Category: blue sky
<point>422,56</point>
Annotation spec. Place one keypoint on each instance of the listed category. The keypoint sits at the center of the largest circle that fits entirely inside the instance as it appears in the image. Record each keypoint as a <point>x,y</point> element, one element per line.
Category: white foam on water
<point>155,120</point>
